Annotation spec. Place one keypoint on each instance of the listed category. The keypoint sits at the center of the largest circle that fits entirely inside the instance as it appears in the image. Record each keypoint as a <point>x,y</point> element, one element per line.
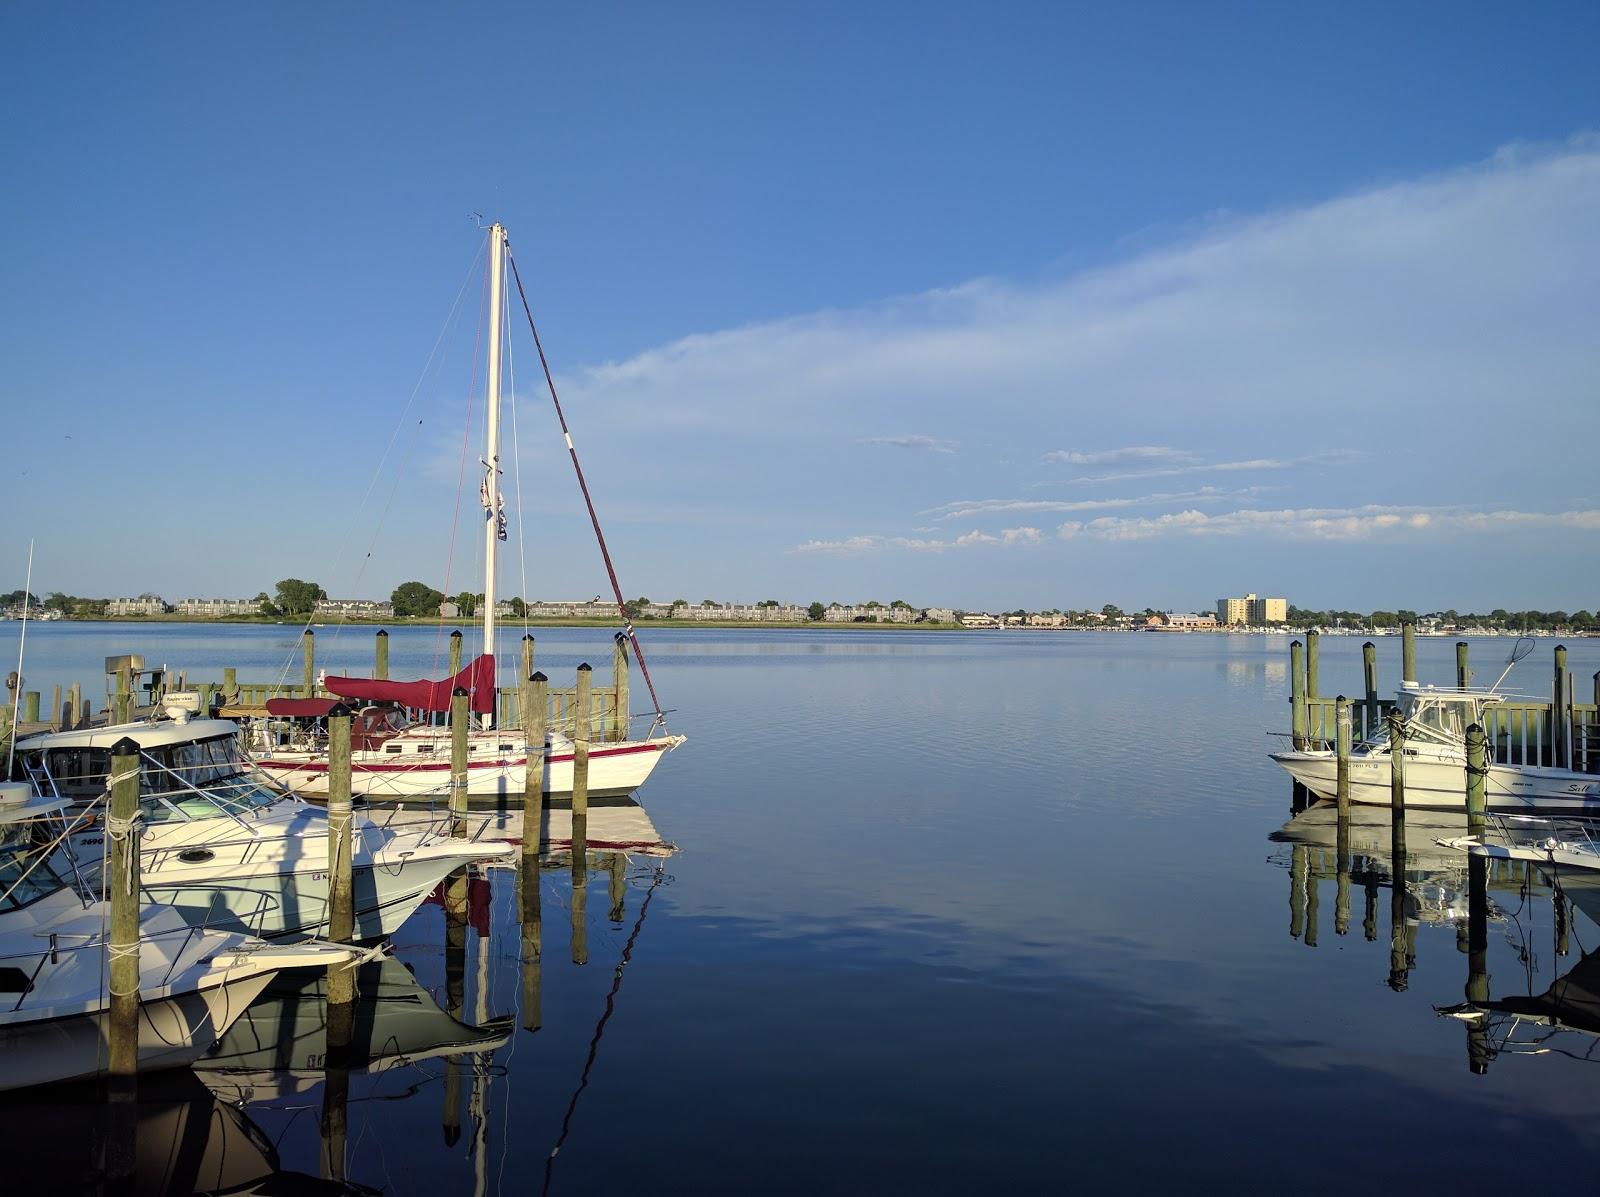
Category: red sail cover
<point>477,679</point>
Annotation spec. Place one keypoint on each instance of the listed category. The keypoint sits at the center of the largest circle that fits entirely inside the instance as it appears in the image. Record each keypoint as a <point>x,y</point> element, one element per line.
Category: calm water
<point>950,911</point>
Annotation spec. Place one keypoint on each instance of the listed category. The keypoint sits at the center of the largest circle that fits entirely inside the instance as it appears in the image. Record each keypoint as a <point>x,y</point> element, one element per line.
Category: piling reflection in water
<point>1476,900</point>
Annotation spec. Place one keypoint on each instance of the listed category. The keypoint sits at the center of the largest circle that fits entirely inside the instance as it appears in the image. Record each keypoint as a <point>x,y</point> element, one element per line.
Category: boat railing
<point>1546,831</point>
<point>215,802</point>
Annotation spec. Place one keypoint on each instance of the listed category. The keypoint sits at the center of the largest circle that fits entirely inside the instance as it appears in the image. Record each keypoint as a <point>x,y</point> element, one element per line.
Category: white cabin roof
<point>146,735</point>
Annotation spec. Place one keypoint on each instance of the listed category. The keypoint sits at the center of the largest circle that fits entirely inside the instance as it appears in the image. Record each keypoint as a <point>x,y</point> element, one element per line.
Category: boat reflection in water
<point>279,1047</point>
<point>177,1138</point>
<point>1369,851</point>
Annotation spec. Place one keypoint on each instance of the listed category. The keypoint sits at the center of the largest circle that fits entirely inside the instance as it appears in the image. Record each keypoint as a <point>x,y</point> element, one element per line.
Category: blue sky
<point>981,305</point>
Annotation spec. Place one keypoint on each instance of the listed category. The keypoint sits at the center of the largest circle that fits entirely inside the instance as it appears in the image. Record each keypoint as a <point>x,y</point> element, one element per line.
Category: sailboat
<point>396,758</point>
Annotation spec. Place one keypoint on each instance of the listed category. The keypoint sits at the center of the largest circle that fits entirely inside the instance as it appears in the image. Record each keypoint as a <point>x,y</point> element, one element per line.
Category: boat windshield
<point>20,884</point>
<point>169,777</point>
<point>200,779</point>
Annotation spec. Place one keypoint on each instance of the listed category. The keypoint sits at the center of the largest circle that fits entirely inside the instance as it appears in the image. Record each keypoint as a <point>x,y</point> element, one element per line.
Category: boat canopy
<point>477,678</point>
<point>302,708</point>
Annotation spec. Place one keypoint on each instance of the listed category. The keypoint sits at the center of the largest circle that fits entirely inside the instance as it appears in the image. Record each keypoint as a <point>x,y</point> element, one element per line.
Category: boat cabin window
<point>79,771</point>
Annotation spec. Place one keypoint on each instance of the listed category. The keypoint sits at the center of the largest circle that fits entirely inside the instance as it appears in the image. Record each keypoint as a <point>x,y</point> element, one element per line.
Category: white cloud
<point>1327,523</point>
<point>861,545</point>
<point>912,441</point>
<point>1107,456</point>
<point>965,509</point>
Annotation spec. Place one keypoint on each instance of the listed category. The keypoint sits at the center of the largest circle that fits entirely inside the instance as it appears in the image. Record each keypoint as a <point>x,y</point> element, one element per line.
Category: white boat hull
<point>1440,783</point>
<point>174,1031</point>
<point>614,769</point>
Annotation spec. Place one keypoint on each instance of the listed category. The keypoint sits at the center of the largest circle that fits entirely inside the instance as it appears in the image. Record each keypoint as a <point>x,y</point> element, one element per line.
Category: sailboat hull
<point>614,770</point>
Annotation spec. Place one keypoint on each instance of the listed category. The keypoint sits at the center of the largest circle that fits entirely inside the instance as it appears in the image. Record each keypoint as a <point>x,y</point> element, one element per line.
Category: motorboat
<point>195,979</point>
<point>1436,720</point>
<point>215,832</point>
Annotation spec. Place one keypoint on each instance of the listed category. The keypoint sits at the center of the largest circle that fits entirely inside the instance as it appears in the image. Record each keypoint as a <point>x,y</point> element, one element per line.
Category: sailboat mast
<point>494,514</point>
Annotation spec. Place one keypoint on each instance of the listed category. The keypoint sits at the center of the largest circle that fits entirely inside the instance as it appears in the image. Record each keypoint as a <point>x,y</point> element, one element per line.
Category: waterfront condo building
<point>1252,609</point>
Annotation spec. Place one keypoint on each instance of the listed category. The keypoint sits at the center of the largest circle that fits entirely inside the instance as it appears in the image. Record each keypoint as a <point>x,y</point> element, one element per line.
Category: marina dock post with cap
<point>341,909</point>
<point>122,880</point>
<point>341,986</point>
<point>1369,690</point>
<point>1297,693</point>
<point>535,702</point>
<point>619,680</point>
<point>380,655</point>
<point>1341,726</point>
<point>1408,652</point>
<point>308,643</point>
<point>1477,776</point>
<point>1313,662</point>
<point>460,719</point>
<point>1463,674</point>
<point>527,656</point>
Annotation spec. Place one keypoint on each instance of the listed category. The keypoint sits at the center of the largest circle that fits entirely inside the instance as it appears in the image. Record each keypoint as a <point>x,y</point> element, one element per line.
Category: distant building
<point>145,604</point>
<point>358,608</point>
<point>979,619</point>
<point>1252,609</point>
<point>215,608</point>
<point>1181,621</point>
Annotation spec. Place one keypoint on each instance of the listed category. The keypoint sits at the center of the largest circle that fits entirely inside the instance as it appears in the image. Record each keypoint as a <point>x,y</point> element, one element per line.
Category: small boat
<point>216,833</point>
<point>1436,759</point>
<point>194,979</point>
<point>397,758</point>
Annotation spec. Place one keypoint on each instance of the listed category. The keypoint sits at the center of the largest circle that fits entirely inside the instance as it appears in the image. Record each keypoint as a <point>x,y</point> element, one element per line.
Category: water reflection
<point>179,1137</point>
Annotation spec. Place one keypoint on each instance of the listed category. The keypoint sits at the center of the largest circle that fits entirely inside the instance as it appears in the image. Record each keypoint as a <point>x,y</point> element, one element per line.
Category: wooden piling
<point>1463,674</point>
<point>1560,712</point>
<point>619,681</point>
<point>455,652</point>
<point>583,705</point>
<point>122,880</point>
<point>1408,652</point>
<point>1369,688</point>
<point>230,684</point>
<point>58,716</point>
<point>122,696</point>
<point>1341,724</point>
<point>1477,775</point>
<point>535,703</point>
<point>527,655</point>
<point>380,654</point>
<point>1313,662</point>
<point>308,648</point>
<point>1397,774</point>
<point>341,911</point>
<point>30,706</point>
<point>78,716</point>
<point>1297,693</point>
<point>580,809</point>
<point>460,721</point>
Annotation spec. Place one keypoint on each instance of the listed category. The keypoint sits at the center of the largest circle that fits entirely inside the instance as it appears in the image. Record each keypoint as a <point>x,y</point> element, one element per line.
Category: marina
<point>827,936</point>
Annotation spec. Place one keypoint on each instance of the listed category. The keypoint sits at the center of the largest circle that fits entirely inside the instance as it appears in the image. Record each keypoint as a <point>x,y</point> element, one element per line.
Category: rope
<point>605,553</point>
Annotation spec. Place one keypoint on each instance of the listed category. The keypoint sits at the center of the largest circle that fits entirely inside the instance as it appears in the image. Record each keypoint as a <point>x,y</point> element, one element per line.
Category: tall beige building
<point>1233,610</point>
<point>1252,609</point>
